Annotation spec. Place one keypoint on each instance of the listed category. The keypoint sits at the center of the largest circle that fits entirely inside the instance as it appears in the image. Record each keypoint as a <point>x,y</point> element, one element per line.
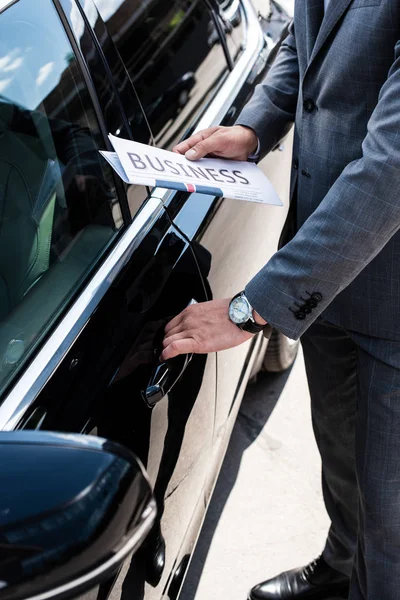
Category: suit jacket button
<point>309,105</point>
<point>300,315</point>
<point>317,296</point>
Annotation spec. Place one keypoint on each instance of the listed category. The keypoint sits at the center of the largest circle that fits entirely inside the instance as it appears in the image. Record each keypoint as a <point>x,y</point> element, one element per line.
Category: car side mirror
<point>72,508</point>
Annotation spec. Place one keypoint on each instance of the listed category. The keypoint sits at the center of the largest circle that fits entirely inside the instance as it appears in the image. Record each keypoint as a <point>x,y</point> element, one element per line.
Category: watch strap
<point>251,326</point>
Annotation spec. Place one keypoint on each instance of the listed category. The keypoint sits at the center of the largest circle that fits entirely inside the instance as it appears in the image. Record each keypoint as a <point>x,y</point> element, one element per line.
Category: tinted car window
<point>59,210</point>
<point>174,56</point>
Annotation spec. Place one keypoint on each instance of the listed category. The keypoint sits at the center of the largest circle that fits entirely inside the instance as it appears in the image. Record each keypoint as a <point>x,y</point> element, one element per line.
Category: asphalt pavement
<point>266,514</point>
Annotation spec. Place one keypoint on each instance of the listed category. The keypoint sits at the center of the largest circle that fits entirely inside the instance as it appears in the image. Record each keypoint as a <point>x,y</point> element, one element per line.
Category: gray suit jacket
<point>340,84</point>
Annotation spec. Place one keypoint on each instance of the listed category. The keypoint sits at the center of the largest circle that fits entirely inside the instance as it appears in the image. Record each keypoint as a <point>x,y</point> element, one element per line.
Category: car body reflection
<point>173,55</point>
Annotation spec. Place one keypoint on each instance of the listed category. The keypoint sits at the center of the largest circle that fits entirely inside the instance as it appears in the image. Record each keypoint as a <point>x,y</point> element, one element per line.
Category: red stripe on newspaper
<point>190,187</point>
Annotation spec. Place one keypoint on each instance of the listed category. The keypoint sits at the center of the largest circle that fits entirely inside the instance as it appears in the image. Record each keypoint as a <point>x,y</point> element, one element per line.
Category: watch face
<point>239,310</point>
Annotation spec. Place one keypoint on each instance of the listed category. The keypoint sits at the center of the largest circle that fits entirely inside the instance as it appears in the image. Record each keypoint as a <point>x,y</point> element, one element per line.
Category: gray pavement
<point>266,514</point>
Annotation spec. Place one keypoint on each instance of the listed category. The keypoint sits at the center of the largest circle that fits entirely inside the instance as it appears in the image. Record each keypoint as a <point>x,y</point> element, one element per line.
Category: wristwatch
<point>241,313</point>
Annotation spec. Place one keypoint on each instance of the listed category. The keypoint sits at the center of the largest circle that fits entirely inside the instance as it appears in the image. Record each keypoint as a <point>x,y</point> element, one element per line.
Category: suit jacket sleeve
<point>355,220</point>
<point>272,108</point>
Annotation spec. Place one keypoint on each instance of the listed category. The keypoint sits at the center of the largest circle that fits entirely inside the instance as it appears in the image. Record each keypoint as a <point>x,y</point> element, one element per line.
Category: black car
<point>91,271</point>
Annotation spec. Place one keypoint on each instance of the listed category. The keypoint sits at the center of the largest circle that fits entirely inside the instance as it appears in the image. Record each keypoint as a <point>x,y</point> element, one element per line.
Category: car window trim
<point>54,350</point>
<point>82,66</point>
<point>217,22</point>
<point>231,10</point>
<point>91,90</point>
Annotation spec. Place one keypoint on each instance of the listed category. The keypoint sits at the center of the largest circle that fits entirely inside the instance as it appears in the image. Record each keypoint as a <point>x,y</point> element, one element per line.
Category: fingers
<point>235,142</point>
<point>182,346</point>
<point>198,145</point>
<point>169,339</point>
<point>184,146</point>
<point>183,321</point>
<point>202,328</point>
<point>175,323</point>
<point>179,335</point>
<point>183,326</point>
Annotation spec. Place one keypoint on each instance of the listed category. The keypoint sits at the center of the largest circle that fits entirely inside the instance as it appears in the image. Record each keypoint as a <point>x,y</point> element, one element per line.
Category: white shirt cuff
<point>255,155</point>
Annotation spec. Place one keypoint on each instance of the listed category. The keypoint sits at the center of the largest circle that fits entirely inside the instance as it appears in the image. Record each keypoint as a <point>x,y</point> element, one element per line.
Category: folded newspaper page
<point>154,167</point>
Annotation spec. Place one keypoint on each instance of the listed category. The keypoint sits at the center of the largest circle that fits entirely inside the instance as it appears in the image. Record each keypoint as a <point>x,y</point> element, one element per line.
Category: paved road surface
<point>266,514</point>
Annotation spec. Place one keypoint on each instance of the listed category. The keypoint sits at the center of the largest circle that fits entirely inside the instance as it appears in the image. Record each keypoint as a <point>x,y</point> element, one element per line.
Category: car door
<point>90,274</point>
<point>226,66</point>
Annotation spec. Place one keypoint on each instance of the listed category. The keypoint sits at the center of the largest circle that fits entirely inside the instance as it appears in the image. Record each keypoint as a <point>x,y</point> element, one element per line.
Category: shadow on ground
<point>257,406</point>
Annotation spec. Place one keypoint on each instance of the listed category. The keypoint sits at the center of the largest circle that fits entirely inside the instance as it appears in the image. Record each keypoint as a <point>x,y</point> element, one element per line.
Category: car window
<point>58,206</point>
<point>233,22</point>
<point>174,56</point>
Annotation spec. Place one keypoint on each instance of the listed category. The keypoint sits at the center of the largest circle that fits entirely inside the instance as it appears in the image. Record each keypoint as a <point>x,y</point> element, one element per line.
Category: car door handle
<point>163,378</point>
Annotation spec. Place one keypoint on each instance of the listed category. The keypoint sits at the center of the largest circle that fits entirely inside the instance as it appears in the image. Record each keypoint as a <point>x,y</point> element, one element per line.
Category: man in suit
<point>336,282</point>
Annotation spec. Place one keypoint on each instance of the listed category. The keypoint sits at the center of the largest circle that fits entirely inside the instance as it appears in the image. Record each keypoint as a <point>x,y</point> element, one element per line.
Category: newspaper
<point>154,167</point>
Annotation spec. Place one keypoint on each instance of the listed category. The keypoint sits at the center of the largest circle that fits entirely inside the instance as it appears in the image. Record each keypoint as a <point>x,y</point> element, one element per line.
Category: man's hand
<point>202,328</point>
<point>236,143</point>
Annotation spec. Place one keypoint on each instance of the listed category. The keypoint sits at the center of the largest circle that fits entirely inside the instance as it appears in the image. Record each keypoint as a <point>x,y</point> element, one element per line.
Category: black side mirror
<point>72,508</point>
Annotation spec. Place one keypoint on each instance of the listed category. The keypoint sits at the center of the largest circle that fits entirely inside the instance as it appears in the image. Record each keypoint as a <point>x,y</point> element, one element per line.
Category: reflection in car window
<point>231,15</point>
<point>174,56</point>
<point>58,204</point>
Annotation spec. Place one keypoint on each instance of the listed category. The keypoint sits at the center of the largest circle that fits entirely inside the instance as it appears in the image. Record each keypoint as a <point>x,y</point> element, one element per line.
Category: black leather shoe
<point>155,563</point>
<point>317,580</point>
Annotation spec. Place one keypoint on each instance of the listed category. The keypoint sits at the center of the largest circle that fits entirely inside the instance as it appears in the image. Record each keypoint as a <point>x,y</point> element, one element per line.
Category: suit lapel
<point>334,12</point>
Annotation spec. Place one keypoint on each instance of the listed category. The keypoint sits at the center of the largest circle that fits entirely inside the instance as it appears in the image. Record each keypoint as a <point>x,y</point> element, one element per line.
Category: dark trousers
<point>354,383</point>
